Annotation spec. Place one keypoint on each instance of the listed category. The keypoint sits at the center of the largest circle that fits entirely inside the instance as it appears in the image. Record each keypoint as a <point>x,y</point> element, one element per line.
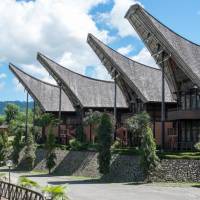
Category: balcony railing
<point>15,192</point>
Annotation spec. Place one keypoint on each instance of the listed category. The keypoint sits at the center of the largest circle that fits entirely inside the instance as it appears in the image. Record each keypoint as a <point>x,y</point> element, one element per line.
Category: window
<point>193,101</point>
<point>187,102</point>
<point>183,102</point>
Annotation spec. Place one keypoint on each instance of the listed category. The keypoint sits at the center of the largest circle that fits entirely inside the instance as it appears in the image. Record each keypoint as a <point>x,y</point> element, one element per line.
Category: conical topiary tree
<point>50,149</point>
<point>104,143</point>
<point>149,160</point>
<point>29,157</point>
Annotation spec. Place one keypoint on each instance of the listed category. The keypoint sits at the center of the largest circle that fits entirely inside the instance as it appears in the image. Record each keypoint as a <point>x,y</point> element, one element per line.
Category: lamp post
<point>9,164</point>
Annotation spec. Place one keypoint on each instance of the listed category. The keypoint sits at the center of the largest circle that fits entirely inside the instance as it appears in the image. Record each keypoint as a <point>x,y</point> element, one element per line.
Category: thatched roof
<point>144,80</point>
<point>185,55</point>
<point>82,90</point>
<point>46,94</point>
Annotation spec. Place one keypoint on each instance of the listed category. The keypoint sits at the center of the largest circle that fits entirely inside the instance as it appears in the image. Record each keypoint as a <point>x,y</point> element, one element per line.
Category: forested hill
<point>21,104</point>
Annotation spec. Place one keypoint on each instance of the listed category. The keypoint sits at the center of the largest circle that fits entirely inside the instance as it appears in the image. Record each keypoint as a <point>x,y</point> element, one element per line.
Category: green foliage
<point>80,134</point>
<point>149,160</point>
<point>56,192</point>
<point>30,149</point>
<point>50,147</point>
<point>3,146</point>
<point>92,119</point>
<point>3,177</point>
<point>2,119</point>
<point>45,120</point>
<point>189,155</point>
<point>116,145</point>
<point>11,112</point>
<point>18,143</point>
<point>27,183</point>
<point>197,146</point>
<point>137,126</point>
<point>76,145</point>
<point>131,151</point>
<point>104,139</point>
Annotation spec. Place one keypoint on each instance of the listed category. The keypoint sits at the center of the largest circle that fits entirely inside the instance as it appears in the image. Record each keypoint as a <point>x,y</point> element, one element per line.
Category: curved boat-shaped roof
<point>144,80</point>
<point>46,94</point>
<point>82,90</point>
<point>184,52</point>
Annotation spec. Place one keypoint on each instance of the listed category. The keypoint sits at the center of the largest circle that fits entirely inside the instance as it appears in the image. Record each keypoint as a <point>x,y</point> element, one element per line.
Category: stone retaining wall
<point>123,168</point>
<point>179,170</point>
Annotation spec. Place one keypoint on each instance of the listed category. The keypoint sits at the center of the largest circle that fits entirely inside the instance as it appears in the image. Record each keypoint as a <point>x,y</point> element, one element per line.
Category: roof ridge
<point>134,61</point>
<point>170,29</point>
<point>87,77</point>
<point>37,79</point>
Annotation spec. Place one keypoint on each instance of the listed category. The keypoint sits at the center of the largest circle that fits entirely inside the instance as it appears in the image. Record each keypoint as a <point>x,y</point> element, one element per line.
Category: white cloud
<point>125,50</point>
<point>145,57</point>
<point>115,18</point>
<point>17,85</point>
<point>2,85</point>
<point>56,28</point>
<point>3,75</point>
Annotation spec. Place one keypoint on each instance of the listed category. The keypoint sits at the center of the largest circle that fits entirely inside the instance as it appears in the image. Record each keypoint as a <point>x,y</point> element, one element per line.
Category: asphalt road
<point>80,189</point>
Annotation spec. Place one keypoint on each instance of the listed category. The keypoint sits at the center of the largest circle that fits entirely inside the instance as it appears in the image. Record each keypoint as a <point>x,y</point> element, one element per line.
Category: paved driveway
<point>80,189</point>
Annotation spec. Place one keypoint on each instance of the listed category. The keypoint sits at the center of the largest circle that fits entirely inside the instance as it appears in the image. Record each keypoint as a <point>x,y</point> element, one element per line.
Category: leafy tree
<point>50,148</point>
<point>3,146</point>
<point>30,149</point>
<point>149,160</point>
<point>137,127</point>
<point>57,192</point>
<point>18,143</point>
<point>2,119</point>
<point>105,140</point>
<point>80,134</point>
<point>92,119</point>
<point>27,183</point>
<point>11,111</point>
<point>44,121</point>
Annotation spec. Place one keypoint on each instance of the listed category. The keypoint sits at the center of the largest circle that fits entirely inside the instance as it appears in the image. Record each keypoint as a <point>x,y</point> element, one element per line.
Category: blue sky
<point>21,41</point>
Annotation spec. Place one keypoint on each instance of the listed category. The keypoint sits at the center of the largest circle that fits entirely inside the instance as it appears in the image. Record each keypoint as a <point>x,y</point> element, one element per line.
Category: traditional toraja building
<point>43,93</point>
<point>179,60</point>
<point>84,92</point>
<point>140,84</point>
<point>46,96</point>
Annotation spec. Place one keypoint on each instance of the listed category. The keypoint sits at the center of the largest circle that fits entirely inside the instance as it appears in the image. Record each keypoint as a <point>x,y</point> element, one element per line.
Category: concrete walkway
<point>80,189</point>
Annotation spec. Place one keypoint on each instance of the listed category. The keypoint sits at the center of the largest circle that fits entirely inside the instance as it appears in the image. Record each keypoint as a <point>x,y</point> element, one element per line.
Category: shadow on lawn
<point>196,186</point>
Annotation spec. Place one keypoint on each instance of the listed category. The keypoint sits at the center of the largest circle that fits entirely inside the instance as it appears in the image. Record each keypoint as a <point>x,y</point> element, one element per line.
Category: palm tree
<point>92,119</point>
<point>27,183</point>
<point>56,192</point>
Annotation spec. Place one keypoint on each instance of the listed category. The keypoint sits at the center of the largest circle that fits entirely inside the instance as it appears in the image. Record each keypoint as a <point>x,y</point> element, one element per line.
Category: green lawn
<point>180,155</point>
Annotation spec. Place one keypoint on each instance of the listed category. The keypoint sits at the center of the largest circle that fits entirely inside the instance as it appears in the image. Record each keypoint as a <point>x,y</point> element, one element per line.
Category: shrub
<point>80,135</point>
<point>30,149</point>
<point>56,192</point>
<point>197,146</point>
<point>18,142</point>
<point>2,119</point>
<point>75,145</point>
<point>50,148</point>
<point>149,160</point>
<point>116,145</point>
<point>105,139</point>
<point>11,112</point>
<point>27,183</point>
<point>3,146</point>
